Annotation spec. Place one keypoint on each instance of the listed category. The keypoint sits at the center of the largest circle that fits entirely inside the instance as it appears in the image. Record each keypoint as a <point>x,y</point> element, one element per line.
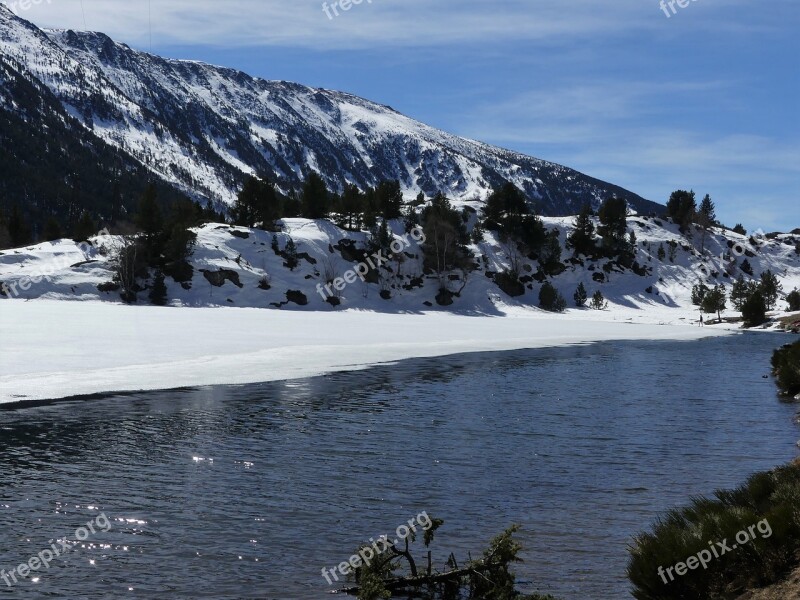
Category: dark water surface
<point>248,492</point>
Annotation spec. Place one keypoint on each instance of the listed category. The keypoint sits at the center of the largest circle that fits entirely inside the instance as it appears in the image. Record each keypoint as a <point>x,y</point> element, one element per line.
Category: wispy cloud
<point>303,23</point>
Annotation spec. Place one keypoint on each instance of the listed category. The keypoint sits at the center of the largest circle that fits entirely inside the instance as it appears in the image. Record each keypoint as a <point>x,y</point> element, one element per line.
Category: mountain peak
<point>203,128</point>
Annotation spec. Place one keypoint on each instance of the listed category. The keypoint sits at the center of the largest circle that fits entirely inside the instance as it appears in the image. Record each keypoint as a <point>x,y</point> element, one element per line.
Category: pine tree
<point>52,230</point>
<point>290,254</point>
<point>746,267</point>
<point>477,234</point>
<point>613,215</point>
<point>582,237</point>
<point>754,310</point>
<point>550,255</point>
<point>580,296</point>
<point>672,253</point>
<point>739,228</point>
<point>390,199</point>
<point>256,204</point>
<point>293,205</point>
<point>5,238</point>
<point>315,197</point>
<point>244,209</point>
<point>706,218</point>
<point>352,204</point>
<point>793,300</point>
<point>628,255</point>
<point>507,212</point>
<point>681,208</point>
<point>699,292</point>
<point>18,230</point>
<point>598,301</point>
<point>158,293</point>
<point>714,301</point>
<point>84,228</point>
<point>149,219</point>
<point>741,291</point>
<point>505,203</point>
<point>770,289</point>
<point>707,211</point>
<point>381,238</point>
<point>662,254</point>
<point>210,215</point>
<point>550,299</point>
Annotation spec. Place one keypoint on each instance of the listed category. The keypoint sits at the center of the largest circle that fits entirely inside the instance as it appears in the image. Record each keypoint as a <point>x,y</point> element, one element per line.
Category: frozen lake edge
<point>55,349</point>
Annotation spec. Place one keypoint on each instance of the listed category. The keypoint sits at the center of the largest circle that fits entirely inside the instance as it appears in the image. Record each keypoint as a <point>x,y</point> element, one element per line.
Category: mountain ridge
<point>203,128</point>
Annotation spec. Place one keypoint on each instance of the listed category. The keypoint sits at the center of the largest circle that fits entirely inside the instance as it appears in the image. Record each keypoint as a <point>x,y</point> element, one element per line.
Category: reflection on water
<point>248,492</point>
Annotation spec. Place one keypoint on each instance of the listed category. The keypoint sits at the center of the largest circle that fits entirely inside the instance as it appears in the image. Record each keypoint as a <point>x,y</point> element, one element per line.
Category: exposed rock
<point>218,278</point>
<point>444,297</point>
<point>416,282</point>
<point>305,256</point>
<point>349,251</point>
<point>297,297</point>
<point>180,271</point>
<point>509,284</point>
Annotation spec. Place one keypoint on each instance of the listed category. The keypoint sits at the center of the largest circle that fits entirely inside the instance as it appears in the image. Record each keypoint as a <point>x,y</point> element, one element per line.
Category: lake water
<point>248,492</point>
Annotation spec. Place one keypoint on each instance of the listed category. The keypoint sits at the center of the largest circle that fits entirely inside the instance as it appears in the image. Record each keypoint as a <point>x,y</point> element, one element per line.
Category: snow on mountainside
<point>202,128</point>
<point>238,267</point>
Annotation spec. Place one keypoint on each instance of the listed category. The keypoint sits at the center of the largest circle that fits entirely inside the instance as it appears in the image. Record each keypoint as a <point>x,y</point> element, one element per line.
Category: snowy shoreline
<point>55,350</point>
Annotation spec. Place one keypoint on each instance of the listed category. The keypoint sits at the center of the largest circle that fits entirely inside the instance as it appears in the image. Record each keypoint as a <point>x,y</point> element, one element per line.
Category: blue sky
<point>708,98</point>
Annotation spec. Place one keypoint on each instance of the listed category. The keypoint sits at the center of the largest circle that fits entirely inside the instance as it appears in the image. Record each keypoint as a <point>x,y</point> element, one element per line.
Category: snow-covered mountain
<point>201,128</point>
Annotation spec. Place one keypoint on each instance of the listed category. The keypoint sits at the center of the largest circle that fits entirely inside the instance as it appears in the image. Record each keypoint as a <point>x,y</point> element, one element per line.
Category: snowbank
<point>56,349</point>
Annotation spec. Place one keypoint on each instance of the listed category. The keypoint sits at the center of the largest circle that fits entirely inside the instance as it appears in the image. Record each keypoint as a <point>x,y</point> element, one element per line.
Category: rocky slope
<point>235,266</point>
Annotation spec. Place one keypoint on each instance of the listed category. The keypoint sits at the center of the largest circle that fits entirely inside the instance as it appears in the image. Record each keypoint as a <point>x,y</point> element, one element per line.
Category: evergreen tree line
<point>159,244</point>
<point>164,239</point>
<point>753,298</point>
<point>260,203</point>
<point>610,239</point>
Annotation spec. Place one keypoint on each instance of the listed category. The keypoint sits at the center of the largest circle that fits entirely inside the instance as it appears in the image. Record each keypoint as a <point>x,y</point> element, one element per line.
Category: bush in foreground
<point>770,497</point>
<point>394,572</point>
<point>786,368</point>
